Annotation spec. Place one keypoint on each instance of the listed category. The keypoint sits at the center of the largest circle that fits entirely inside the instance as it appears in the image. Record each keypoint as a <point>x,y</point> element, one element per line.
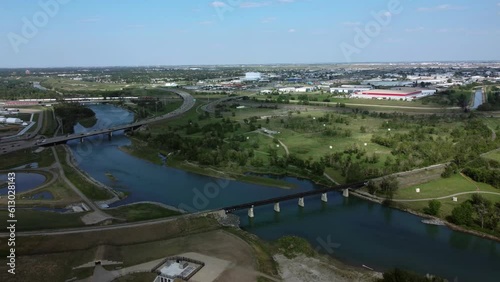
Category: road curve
<point>187,104</point>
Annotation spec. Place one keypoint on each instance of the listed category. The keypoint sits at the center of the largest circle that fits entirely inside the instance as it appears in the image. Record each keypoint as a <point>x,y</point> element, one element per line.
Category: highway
<point>188,103</point>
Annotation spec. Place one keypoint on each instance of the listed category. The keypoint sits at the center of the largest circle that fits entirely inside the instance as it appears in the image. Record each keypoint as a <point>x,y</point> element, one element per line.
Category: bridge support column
<point>81,139</point>
<point>345,193</point>
<point>324,197</point>
<point>301,202</point>
<point>250,212</point>
<point>277,207</point>
<point>110,134</point>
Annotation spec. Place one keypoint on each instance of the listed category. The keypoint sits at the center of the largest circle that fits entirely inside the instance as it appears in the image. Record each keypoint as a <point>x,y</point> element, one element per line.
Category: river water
<point>355,231</point>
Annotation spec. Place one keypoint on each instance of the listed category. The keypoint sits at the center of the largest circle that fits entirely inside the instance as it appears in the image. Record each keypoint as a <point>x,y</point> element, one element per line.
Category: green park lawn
<point>140,212</point>
<point>494,155</point>
<point>443,187</point>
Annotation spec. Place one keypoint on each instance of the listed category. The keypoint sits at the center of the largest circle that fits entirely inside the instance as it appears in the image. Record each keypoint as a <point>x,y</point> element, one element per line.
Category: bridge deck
<point>294,196</point>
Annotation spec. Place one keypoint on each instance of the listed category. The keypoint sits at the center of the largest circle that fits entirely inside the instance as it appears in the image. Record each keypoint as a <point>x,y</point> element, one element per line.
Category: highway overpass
<point>188,103</point>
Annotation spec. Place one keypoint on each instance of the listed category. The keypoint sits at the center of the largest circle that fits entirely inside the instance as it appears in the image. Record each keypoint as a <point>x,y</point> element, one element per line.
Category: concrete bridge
<point>300,196</point>
<point>188,103</point>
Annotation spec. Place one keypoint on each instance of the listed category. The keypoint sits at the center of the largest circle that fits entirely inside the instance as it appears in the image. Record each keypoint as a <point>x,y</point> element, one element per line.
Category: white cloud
<point>291,30</point>
<point>268,20</point>
<point>443,7</point>
<point>217,4</point>
<point>417,29</point>
<point>254,4</point>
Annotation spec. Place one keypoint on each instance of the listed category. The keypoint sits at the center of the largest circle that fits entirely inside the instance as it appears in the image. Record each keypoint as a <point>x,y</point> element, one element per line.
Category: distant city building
<point>388,83</point>
<point>253,76</point>
<point>406,94</point>
<point>350,88</point>
<point>27,72</point>
<point>171,84</point>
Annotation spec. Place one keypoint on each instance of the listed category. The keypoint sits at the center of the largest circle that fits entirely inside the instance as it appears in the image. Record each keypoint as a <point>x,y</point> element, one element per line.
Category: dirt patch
<point>304,268</point>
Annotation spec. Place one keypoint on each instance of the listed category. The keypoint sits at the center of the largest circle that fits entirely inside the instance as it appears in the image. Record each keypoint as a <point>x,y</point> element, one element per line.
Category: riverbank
<point>139,149</point>
<point>375,199</point>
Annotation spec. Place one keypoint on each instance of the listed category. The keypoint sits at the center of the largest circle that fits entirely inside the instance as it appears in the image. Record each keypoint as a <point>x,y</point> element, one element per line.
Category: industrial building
<point>406,94</point>
<point>350,88</point>
<point>252,76</point>
<point>175,269</point>
<point>10,120</point>
<point>304,89</point>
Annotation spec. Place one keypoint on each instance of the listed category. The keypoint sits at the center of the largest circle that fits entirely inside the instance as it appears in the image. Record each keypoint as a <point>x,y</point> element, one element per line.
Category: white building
<point>286,90</point>
<point>350,88</point>
<point>304,89</point>
<point>253,76</point>
<point>266,91</point>
<point>171,84</point>
<point>13,121</point>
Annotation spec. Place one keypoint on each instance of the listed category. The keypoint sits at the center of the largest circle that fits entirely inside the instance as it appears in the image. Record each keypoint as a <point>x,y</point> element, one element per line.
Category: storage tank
<point>13,121</point>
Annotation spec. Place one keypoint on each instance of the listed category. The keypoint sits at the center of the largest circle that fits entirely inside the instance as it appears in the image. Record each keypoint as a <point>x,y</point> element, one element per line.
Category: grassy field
<point>62,196</point>
<point>37,220</point>
<point>49,125</point>
<point>63,84</point>
<point>19,158</point>
<point>444,187</point>
<point>494,155</point>
<point>140,212</point>
<point>89,189</point>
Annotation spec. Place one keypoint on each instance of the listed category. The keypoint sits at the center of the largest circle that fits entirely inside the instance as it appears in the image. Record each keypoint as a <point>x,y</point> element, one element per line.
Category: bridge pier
<point>301,201</point>
<point>324,197</point>
<point>345,193</point>
<point>250,212</point>
<point>110,134</point>
<point>81,139</point>
<point>277,207</point>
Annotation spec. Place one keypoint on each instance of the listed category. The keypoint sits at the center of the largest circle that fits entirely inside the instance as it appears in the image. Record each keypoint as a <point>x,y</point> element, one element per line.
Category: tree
<point>389,186</point>
<point>462,215</point>
<point>433,208</point>
<point>372,187</point>
<point>481,206</point>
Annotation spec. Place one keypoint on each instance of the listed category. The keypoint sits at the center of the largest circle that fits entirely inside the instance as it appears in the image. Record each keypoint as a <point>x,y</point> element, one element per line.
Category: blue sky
<point>195,32</point>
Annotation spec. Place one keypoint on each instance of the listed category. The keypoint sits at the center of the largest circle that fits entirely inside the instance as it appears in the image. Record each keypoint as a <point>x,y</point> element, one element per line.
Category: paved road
<point>186,106</point>
<point>210,108</point>
<point>88,229</point>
